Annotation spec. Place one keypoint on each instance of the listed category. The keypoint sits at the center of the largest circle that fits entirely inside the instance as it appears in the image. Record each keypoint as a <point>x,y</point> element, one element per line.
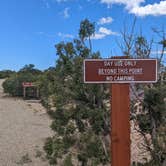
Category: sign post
<point>120,125</point>
<point>120,72</point>
<point>26,85</point>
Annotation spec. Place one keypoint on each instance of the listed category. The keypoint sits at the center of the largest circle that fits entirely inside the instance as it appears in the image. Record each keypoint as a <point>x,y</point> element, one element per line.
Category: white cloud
<point>62,35</point>
<point>97,36</point>
<point>106,31</point>
<point>155,9</point>
<point>102,33</point>
<point>134,7</point>
<point>66,13</point>
<point>105,20</point>
<point>128,3</point>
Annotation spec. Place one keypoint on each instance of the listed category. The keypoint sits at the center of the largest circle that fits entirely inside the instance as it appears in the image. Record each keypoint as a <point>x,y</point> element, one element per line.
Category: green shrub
<point>68,161</point>
<point>13,85</point>
<point>6,73</point>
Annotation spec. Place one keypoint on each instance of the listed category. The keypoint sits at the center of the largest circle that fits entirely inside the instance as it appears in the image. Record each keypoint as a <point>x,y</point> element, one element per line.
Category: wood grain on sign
<point>120,70</point>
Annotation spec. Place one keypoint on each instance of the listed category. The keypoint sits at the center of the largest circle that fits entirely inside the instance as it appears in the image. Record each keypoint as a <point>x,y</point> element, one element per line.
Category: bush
<point>13,85</point>
<point>68,161</point>
<point>6,73</point>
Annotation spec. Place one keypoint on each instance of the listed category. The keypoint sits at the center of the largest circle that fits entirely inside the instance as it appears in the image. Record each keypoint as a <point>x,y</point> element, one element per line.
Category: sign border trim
<point>119,82</point>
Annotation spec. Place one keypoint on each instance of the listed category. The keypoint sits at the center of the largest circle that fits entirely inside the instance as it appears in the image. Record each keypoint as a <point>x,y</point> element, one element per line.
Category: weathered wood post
<point>37,92</point>
<point>24,91</point>
<point>120,125</point>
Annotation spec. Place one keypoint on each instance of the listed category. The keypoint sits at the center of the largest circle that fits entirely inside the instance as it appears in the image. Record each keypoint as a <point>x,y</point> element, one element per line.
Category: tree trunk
<point>90,45</point>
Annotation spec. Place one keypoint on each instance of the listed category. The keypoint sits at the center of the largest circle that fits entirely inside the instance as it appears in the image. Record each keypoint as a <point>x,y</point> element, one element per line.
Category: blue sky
<point>30,28</point>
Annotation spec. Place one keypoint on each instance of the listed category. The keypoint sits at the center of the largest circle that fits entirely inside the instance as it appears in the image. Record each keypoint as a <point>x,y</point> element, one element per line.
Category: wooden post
<point>24,92</point>
<point>37,92</point>
<point>120,125</point>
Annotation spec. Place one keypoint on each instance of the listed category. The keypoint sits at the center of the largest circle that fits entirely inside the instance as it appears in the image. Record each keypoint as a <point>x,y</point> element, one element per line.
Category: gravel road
<point>23,129</point>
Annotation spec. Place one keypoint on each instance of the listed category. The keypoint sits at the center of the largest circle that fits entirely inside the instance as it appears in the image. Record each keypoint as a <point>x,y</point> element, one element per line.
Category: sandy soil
<point>23,128</point>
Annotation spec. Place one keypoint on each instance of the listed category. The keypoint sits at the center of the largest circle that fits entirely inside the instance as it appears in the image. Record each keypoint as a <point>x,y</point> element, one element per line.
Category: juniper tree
<point>81,119</point>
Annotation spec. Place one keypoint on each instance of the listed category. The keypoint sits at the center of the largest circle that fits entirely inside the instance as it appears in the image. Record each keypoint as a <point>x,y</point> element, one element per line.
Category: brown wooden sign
<point>124,71</point>
<point>27,84</point>
<point>120,70</point>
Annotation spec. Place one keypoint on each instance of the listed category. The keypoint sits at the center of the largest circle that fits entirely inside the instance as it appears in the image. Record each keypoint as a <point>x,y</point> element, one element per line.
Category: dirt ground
<point>23,128</point>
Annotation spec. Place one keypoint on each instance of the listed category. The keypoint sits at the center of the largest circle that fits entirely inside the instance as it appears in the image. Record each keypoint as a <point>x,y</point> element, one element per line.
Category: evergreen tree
<point>87,29</point>
<point>81,119</point>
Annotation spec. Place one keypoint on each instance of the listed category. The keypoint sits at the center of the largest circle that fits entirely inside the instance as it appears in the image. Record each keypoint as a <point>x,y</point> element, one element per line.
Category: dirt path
<point>23,129</point>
